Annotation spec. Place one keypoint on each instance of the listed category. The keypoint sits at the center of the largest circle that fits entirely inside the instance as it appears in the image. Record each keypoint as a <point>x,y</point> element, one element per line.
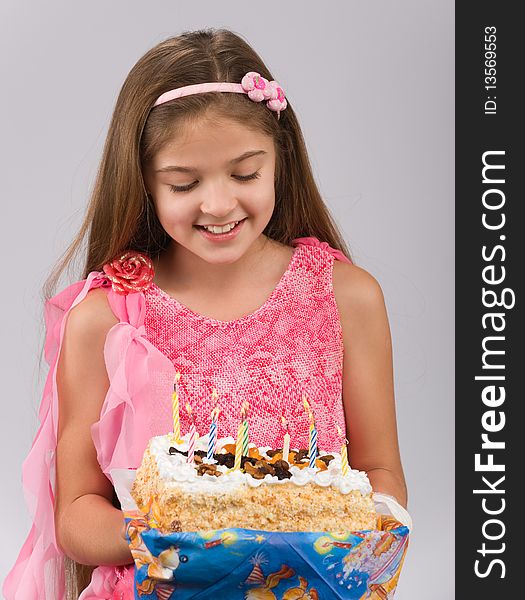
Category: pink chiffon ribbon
<point>38,573</point>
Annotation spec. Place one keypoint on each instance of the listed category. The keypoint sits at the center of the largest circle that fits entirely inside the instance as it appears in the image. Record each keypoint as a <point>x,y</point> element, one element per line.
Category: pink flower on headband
<point>130,272</point>
<point>260,89</point>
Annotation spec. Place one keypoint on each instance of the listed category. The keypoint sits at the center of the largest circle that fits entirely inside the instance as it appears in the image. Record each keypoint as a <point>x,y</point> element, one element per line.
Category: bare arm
<point>368,388</point>
<point>88,526</point>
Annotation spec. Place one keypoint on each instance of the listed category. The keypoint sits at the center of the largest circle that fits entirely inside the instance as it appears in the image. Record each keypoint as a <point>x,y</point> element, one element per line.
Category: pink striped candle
<point>193,436</point>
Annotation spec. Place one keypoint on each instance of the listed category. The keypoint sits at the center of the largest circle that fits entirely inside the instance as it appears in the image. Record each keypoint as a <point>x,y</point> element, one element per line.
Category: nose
<point>218,200</point>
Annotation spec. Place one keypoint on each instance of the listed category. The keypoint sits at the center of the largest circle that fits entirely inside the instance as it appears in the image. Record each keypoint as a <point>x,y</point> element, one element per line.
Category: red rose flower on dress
<point>129,273</point>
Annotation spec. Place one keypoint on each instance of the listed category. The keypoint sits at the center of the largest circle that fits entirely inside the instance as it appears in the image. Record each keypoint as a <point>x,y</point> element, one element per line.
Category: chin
<point>221,256</point>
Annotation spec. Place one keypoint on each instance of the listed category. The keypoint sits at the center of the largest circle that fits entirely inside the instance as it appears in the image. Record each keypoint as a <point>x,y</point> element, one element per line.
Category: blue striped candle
<point>312,450</point>
<point>313,444</point>
<point>212,439</point>
<point>212,436</point>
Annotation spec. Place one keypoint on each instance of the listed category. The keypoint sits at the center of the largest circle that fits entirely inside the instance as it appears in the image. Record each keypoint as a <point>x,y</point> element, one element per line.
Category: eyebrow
<point>234,161</point>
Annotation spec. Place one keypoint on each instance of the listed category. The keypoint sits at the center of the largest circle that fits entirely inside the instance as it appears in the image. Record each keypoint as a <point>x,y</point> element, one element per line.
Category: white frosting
<point>174,468</point>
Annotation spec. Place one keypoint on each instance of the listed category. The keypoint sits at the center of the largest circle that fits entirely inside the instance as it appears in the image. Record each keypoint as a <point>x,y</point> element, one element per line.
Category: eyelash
<point>187,188</point>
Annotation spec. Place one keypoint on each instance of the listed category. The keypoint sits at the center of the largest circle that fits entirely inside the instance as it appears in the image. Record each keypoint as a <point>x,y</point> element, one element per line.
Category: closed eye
<point>241,178</point>
<point>255,175</point>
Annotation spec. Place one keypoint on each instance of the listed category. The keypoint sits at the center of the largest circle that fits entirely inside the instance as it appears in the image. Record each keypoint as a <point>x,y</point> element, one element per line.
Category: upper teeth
<point>217,229</point>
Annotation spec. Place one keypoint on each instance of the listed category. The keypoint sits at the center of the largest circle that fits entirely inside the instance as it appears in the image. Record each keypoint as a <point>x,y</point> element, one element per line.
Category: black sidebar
<point>490,255</point>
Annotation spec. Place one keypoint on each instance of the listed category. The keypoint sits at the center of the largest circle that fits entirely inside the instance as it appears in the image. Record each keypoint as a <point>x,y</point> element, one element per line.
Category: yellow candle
<point>175,410</point>
<point>344,453</point>
<point>286,444</point>
<point>344,459</point>
<point>238,447</point>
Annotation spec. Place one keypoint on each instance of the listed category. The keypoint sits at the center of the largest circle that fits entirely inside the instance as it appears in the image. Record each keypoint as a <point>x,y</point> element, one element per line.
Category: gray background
<point>380,137</point>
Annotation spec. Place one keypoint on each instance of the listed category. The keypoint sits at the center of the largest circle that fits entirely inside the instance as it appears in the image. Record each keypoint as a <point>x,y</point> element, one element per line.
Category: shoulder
<point>358,294</point>
<point>92,317</point>
<point>81,369</point>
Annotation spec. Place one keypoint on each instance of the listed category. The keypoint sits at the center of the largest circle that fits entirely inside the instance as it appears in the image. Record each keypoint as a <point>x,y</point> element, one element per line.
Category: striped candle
<point>344,453</point>
<point>193,436</point>
<point>238,447</point>
<point>175,410</point>
<point>245,433</point>
<point>313,444</point>
<point>212,437</point>
<point>312,450</point>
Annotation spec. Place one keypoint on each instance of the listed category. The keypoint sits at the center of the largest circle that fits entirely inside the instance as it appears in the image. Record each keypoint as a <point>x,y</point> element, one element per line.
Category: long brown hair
<point>120,216</point>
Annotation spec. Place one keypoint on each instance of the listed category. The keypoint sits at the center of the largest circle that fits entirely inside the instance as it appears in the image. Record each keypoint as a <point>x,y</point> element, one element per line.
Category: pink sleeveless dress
<point>290,346</point>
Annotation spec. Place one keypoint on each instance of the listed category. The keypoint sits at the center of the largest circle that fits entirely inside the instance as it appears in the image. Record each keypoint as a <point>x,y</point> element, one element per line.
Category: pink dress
<point>290,346</point>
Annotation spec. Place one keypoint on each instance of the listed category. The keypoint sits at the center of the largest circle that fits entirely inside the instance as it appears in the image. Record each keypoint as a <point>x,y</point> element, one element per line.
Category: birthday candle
<point>344,453</point>
<point>212,437</point>
<point>286,444</point>
<point>238,447</point>
<point>313,444</point>
<point>245,435</point>
<point>312,450</point>
<point>193,436</point>
<point>175,410</point>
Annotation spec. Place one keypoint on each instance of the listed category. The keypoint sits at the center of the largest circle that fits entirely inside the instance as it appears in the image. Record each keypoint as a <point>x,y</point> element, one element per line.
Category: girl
<point>210,252</point>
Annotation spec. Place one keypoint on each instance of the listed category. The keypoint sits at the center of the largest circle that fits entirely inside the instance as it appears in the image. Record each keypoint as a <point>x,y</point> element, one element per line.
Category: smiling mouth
<point>218,229</point>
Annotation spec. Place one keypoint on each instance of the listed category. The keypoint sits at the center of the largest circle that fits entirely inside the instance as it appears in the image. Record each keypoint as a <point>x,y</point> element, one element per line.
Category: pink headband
<point>256,87</point>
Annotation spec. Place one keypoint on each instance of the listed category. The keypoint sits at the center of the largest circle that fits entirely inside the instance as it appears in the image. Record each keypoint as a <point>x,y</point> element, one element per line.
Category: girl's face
<point>215,174</point>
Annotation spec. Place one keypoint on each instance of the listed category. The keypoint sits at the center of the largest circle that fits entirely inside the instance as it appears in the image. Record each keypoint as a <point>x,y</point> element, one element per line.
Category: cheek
<point>261,203</point>
<point>172,214</point>
<point>163,213</point>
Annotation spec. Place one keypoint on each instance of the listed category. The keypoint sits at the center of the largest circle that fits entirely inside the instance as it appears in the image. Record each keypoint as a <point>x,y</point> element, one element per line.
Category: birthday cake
<point>256,489</point>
